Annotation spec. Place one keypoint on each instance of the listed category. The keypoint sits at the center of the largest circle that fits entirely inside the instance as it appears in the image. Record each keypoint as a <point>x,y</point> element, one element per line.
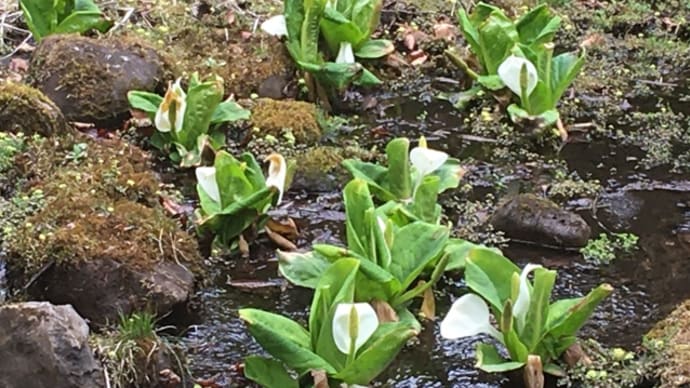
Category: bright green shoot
<point>529,324</point>
<point>188,122</point>
<point>46,17</point>
<point>234,194</point>
<point>345,341</point>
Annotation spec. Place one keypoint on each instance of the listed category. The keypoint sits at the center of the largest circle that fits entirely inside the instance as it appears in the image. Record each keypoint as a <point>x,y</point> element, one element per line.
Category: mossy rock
<point>89,79</point>
<point>319,169</point>
<point>99,238</point>
<point>27,110</point>
<point>674,331</point>
<point>276,117</point>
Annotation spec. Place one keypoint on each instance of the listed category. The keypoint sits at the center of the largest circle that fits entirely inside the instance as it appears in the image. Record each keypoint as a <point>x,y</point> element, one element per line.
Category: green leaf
<point>489,274</point>
<point>336,75</point>
<point>489,360</point>
<point>414,247</point>
<point>374,282</point>
<point>491,82</point>
<point>144,101</point>
<point>229,111</point>
<point>399,176</point>
<point>309,31</point>
<point>375,48</point>
<point>567,316</point>
<point>367,78</point>
<point>537,26</point>
<point>202,100</point>
<point>450,174</point>
<point>425,204</point>
<point>268,373</point>
<point>377,353</point>
<point>564,70</point>
<point>374,174</point>
<point>366,14</point>
<point>337,28</point>
<point>284,339</point>
<point>294,17</point>
<point>471,33</point>
<point>357,200</point>
<point>497,36</point>
<point>233,184</point>
<point>302,269</point>
<point>459,100</point>
<point>537,313</point>
<point>40,17</point>
<point>79,22</point>
<point>458,251</point>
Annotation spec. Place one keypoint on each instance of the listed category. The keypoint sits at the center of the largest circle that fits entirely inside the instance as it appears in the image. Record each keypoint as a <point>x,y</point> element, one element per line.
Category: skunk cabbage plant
<point>61,17</point>
<point>188,122</point>
<point>345,339</point>
<point>529,324</point>
<point>234,195</point>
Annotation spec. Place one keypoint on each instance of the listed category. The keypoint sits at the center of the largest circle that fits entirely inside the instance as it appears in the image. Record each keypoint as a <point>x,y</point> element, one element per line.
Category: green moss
<point>103,205</point>
<point>27,110</point>
<point>674,331</point>
<point>276,117</point>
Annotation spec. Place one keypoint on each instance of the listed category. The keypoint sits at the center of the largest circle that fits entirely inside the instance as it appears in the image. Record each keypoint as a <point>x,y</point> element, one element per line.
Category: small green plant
<point>412,178</point>
<point>189,122</point>
<point>533,330</point>
<point>346,342</point>
<point>234,194</point>
<point>79,152</point>
<point>46,17</point>
<point>518,54</point>
<point>10,145</point>
<point>603,250</point>
<point>136,327</point>
<point>346,26</point>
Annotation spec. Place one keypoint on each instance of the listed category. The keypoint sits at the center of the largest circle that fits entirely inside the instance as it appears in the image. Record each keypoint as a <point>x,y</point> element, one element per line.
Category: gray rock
<point>45,346</point>
<point>530,218</point>
<point>102,289</point>
<point>89,78</point>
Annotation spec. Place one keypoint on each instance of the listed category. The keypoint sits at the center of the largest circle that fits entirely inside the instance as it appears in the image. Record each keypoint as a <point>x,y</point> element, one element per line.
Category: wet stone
<point>89,79</point>
<point>530,218</point>
<point>27,110</point>
<point>45,346</point>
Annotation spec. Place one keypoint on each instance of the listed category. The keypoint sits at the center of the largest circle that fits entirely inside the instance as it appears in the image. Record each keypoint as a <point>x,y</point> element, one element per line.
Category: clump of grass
<point>133,352</point>
<point>602,250</point>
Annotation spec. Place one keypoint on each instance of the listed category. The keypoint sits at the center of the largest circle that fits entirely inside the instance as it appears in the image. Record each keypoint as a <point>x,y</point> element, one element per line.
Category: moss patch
<point>675,331</point>
<point>276,117</point>
<point>102,205</point>
<point>27,110</point>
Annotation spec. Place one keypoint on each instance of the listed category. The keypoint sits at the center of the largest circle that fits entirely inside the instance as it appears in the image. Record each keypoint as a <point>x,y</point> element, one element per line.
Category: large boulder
<point>531,218</point>
<point>27,110</point>
<point>46,346</point>
<point>89,79</point>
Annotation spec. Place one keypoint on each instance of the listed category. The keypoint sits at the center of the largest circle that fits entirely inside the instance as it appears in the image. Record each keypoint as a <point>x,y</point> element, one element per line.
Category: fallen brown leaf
<point>384,311</point>
<point>428,309</point>
<point>534,372</point>
<point>281,241</point>
<point>320,378</point>
<point>285,227</point>
<point>243,246</point>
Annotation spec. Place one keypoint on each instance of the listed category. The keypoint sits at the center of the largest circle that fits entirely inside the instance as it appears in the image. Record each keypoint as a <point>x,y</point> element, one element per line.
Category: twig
<point>122,21</point>
<point>16,49</point>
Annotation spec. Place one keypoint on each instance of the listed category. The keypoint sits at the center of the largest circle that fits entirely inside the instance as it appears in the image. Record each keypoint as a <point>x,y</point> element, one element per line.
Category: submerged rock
<point>530,218</point>
<point>27,110</point>
<point>45,346</point>
<point>98,238</point>
<point>89,79</point>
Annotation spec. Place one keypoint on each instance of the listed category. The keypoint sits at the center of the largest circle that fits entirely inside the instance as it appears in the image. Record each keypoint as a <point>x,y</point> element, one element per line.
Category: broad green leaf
<point>284,339</point>
<point>253,171</point>
<point>517,350</point>
<point>458,251</point>
<point>268,373</point>
<point>336,75</point>
<point>79,22</point>
<point>40,17</point>
<point>202,100</point>
<point>302,269</point>
<point>459,100</point>
<point>366,14</point>
<point>537,26</point>
<point>470,32</point>
<point>374,282</point>
<point>144,101</point>
<point>374,174</point>
<point>337,28</point>
<point>414,247</point>
<point>399,176</point>
<point>564,69</point>
<point>294,17</point>
<point>489,274</point>
<point>489,360</point>
<point>567,316</point>
<point>309,32</point>
<point>537,314</point>
<point>498,36</point>
<point>450,174</point>
<point>375,48</point>
<point>229,111</point>
<point>367,78</point>
<point>425,204</point>
<point>253,202</point>
<point>357,200</point>
<point>375,355</point>
<point>233,184</point>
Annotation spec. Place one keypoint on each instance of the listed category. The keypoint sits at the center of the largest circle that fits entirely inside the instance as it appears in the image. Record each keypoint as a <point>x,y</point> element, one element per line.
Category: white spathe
<point>510,73</point>
<point>468,316</point>
<point>524,298</point>
<point>175,95</point>
<point>277,173</point>
<point>345,53</point>
<point>275,25</point>
<point>356,321</point>
<point>426,160</point>
<point>206,176</point>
